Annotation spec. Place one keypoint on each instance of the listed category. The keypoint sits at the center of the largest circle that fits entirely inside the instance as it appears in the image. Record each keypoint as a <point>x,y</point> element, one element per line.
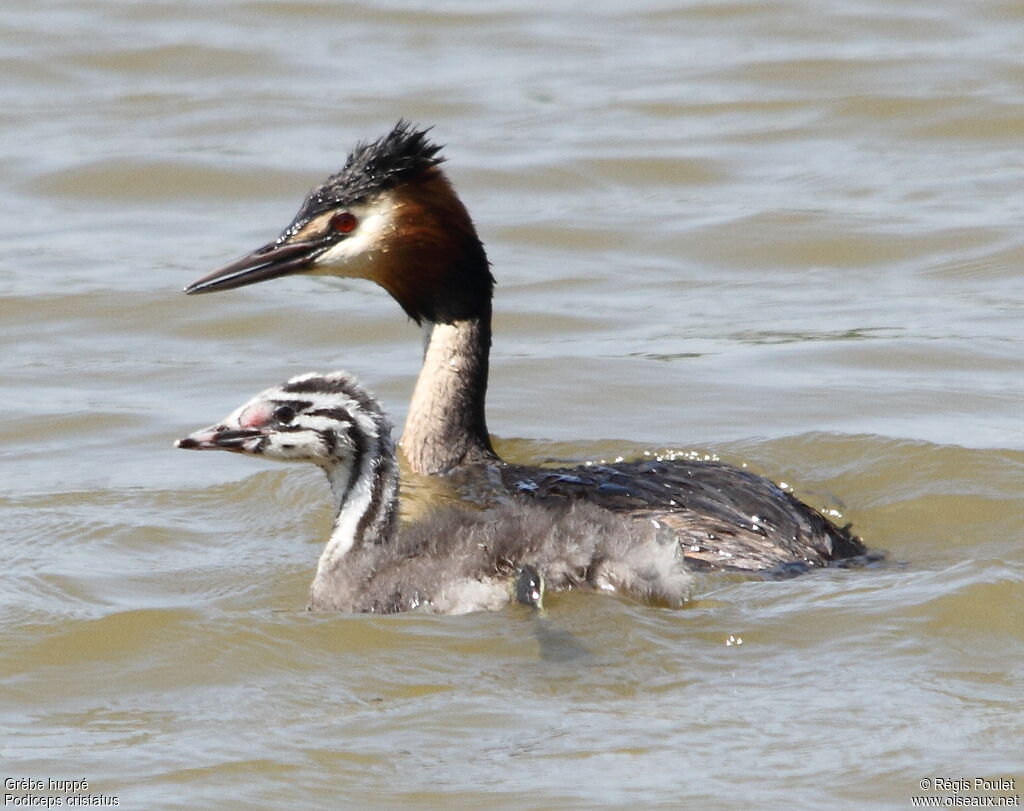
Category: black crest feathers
<point>375,166</point>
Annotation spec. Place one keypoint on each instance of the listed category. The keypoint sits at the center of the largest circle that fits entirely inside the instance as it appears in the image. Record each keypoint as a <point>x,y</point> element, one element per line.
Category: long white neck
<point>367,497</point>
<point>446,425</point>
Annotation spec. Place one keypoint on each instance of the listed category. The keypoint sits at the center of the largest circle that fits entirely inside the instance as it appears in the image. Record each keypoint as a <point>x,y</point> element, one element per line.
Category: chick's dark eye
<point>344,222</point>
<point>284,414</point>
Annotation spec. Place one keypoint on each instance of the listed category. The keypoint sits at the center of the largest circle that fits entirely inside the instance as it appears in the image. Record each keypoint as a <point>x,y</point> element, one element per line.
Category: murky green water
<point>785,233</point>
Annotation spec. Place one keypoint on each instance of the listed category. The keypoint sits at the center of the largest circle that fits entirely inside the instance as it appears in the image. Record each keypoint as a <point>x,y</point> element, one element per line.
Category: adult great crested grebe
<point>391,216</point>
<point>454,561</point>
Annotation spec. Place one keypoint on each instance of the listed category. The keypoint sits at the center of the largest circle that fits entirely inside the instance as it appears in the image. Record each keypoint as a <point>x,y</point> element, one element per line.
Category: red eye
<point>344,222</point>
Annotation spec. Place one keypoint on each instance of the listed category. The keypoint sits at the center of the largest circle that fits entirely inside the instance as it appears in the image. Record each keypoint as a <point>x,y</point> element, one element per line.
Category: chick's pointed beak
<point>221,438</point>
<point>268,262</point>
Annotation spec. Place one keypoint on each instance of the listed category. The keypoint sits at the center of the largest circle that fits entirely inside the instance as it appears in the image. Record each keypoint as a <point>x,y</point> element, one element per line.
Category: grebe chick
<point>391,216</point>
<point>454,561</point>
